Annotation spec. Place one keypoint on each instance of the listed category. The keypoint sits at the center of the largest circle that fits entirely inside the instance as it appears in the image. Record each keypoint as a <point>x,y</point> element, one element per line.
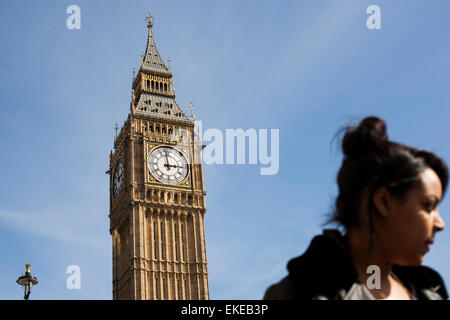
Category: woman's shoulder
<point>323,270</point>
<point>425,280</point>
<point>279,291</point>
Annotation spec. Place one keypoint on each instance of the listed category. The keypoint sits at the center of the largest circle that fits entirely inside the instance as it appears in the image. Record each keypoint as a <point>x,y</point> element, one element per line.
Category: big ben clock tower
<point>157,196</point>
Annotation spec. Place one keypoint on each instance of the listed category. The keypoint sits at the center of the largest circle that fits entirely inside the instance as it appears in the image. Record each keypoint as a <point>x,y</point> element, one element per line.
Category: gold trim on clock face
<point>168,165</point>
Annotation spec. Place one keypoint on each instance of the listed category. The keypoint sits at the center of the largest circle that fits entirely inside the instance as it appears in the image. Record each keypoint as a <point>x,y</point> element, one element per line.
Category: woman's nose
<point>439,224</point>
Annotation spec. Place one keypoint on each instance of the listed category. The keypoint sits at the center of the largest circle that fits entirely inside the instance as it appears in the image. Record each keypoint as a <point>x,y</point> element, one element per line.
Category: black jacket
<point>326,271</point>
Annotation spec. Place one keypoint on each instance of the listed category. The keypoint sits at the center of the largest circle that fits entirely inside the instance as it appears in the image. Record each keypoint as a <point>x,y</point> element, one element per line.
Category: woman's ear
<point>380,200</point>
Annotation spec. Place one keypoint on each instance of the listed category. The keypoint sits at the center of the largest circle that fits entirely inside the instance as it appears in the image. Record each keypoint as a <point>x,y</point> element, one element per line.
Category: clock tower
<point>157,196</point>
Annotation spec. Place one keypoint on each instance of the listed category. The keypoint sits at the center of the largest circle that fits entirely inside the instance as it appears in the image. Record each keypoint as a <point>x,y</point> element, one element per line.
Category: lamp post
<point>27,281</point>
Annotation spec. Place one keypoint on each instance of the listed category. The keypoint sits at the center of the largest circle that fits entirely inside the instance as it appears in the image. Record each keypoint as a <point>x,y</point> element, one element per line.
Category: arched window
<point>175,232</point>
<point>154,240</point>
<point>153,84</point>
<point>182,243</point>
<point>164,289</point>
<point>161,196</point>
<point>162,235</point>
<point>177,285</point>
<point>189,199</point>
<point>165,86</point>
<point>148,84</point>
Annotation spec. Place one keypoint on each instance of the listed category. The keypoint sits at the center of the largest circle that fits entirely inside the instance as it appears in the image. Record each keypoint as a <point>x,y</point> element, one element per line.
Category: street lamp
<point>27,281</point>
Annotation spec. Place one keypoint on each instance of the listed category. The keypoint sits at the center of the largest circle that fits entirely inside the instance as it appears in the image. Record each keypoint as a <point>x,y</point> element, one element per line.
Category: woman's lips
<point>428,244</point>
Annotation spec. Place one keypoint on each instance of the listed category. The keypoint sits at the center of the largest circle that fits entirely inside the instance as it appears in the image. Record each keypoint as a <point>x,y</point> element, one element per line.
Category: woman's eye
<point>429,206</point>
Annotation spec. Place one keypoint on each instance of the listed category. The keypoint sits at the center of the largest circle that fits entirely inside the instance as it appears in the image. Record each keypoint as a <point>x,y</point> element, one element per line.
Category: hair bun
<point>367,136</point>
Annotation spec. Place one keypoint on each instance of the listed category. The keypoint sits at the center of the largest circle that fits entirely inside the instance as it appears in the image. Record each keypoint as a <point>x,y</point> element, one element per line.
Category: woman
<point>388,208</point>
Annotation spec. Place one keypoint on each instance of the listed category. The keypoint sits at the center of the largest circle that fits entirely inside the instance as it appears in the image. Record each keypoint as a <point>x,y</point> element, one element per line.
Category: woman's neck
<point>373,267</point>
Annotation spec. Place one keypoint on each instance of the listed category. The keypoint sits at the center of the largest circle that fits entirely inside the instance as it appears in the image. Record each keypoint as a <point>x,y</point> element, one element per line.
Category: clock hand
<point>170,165</point>
<point>167,160</point>
<point>174,166</point>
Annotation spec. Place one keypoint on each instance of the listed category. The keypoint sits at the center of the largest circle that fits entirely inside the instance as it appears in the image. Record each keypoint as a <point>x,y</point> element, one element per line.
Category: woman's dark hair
<point>370,162</point>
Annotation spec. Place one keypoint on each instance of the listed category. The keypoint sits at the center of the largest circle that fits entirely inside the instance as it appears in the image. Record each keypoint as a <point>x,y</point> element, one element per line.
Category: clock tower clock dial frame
<point>157,219</point>
<point>167,165</point>
<point>117,177</point>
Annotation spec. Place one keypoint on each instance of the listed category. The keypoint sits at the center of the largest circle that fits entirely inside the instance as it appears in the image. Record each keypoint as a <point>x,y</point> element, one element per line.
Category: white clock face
<point>118,178</point>
<point>168,165</point>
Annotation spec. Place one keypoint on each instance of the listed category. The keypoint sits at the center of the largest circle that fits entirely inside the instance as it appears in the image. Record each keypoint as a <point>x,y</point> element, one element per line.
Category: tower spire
<point>151,60</point>
<point>153,93</point>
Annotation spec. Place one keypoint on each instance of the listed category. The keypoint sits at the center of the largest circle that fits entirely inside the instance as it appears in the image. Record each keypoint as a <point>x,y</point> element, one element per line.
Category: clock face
<point>118,178</point>
<point>168,165</point>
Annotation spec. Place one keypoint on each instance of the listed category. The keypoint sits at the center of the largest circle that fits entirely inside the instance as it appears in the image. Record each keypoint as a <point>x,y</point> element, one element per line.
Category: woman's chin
<point>417,262</point>
<point>411,262</point>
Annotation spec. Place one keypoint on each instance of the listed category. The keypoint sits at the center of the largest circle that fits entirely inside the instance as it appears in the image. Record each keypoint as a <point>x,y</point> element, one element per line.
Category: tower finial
<point>149,19</point>
<point>191,106</point>
<point>116,128</point>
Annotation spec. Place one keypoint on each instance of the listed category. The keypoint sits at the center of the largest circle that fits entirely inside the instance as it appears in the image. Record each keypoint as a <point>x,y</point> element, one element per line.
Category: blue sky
<point>303,67</point>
